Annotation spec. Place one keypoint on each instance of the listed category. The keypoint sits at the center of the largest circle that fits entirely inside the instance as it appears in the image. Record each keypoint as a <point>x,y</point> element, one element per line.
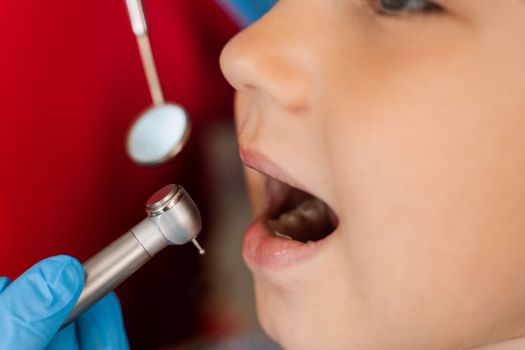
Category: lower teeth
<point>280,235</point>
<point>310,218</point>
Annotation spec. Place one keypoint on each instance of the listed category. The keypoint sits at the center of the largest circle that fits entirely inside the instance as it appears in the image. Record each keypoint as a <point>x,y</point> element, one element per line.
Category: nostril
<point>263,70</point>
<point>257,63</point>
<point>287,84</point>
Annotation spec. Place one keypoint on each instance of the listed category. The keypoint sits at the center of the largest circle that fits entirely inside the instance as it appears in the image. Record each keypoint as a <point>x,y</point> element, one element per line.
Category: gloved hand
<point>34,307</point>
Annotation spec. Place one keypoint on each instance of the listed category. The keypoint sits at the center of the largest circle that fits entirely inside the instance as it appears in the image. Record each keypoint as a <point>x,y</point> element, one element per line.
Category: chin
<point>303,309</point>
<point>282,326</point>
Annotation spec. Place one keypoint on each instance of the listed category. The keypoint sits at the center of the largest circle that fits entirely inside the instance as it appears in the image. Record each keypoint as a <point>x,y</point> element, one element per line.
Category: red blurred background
<point>71,82</point>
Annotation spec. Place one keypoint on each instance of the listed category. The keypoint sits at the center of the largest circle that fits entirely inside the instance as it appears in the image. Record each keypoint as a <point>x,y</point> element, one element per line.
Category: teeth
<point>309,216</point>
<point>310,212</point>
<point>311,209</point>
<point>292,219</point>
<point>276,226</point>
<point>280,235</point>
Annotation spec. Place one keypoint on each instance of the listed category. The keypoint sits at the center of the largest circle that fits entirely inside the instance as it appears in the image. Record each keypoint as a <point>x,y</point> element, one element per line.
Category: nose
<point>264,61</point>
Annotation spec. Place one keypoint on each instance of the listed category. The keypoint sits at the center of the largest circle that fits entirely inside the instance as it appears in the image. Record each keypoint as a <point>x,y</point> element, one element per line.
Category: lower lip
<point>263,251</point>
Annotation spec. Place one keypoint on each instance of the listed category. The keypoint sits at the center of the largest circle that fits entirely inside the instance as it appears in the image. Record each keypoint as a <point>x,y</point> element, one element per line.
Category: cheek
<point>435,201</point>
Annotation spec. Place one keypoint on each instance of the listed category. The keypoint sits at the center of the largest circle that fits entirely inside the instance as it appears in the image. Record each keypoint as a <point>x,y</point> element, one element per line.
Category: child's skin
<point>410,125</point>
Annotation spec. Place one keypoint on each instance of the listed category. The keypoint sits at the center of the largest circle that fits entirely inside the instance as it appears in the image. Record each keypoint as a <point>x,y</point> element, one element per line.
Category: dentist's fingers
<point>65,339</point>
<point>101,327</point>
<point>34,306</point>
<point>4,282</point>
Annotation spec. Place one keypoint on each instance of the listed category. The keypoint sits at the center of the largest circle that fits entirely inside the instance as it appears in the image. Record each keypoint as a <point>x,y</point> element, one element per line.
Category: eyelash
<point>405,7</point>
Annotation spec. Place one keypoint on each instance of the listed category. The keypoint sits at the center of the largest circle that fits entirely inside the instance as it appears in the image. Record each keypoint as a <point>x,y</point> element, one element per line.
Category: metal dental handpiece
<point>173,218</point>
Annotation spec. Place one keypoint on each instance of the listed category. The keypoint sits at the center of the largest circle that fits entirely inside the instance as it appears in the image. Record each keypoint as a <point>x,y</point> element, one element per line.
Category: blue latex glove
<point>34,307</point>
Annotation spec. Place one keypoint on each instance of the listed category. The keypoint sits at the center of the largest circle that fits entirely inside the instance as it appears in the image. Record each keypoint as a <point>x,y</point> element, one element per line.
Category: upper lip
<point>260,162</point>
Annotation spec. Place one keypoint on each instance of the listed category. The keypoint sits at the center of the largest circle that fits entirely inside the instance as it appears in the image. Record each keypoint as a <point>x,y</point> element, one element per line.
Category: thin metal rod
<point>198,246</point>
<point>149,69</point>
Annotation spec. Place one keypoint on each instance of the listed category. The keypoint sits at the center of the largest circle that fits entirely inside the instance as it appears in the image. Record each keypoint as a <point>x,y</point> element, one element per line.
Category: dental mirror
<point>158,134</point>
<point>161,131</point>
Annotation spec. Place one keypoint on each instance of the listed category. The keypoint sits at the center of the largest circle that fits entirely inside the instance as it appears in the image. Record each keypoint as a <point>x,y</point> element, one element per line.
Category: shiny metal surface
<point>176,221</point>
<point>164,199</point>
<point>136,15</point>
<point>181,222</point>
<point>159,133</point>
<point>198,246</point>
<point>150,69</point>
<point>106,270</point>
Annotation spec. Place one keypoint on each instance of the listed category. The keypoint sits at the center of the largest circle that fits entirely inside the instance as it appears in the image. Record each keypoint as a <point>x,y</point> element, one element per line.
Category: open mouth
<point>292,225</point>
<point>293,214</point>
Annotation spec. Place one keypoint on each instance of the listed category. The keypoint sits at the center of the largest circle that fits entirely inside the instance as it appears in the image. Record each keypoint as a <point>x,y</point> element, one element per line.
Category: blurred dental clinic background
<point>71,83</point>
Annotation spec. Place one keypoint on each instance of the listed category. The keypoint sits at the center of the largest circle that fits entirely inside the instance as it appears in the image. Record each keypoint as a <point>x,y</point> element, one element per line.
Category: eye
<point>405,6</point>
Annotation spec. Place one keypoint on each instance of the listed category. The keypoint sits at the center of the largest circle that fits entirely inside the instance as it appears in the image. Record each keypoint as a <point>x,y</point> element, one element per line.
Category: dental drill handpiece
<point>173,219</point>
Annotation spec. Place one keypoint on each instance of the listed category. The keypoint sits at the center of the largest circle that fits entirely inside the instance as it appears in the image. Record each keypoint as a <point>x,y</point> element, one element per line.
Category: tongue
<point>309,221</point>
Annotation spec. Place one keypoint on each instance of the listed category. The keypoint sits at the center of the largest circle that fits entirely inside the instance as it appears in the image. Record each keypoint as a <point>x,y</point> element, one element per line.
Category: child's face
<point>410,125</point>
